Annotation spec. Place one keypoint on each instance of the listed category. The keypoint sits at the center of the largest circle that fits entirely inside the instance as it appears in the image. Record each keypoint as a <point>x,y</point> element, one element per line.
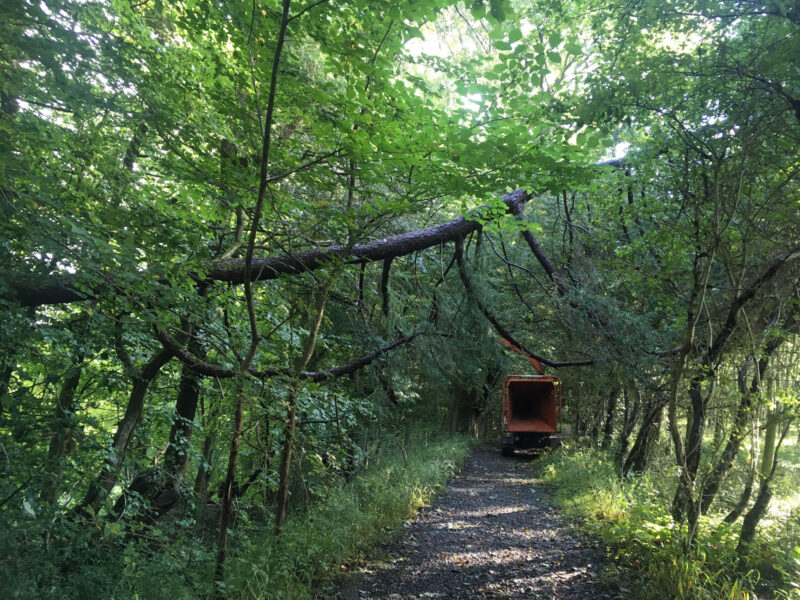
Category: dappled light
<point>270,270</point>
<point>488,536</point>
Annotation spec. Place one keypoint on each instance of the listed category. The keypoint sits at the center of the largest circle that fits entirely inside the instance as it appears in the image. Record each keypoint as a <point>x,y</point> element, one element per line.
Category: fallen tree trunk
<point>71,288</point>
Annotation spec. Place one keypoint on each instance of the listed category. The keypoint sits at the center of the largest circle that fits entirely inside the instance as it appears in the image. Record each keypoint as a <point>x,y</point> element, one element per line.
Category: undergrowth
<point>318,544</point>
<point>63,559</point>
<point>632,519</point>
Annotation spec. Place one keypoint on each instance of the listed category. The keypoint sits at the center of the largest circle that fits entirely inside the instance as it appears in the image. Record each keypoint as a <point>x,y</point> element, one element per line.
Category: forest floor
<point>492,534</point>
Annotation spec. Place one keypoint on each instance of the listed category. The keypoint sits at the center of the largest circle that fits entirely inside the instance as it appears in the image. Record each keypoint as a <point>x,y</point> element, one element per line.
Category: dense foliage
<point>250,248</point>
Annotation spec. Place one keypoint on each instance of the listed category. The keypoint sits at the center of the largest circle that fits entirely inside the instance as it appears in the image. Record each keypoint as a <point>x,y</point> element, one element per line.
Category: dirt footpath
<point>491,535</point>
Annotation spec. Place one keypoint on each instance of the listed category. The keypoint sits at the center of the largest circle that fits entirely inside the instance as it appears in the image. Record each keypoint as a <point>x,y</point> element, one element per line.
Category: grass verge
<point>632,519</point>
<point>353,519</point>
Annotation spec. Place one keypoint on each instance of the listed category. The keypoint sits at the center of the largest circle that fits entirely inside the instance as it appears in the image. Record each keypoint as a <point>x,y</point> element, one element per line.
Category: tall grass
<point>632,519</point>
<point>316,545</point>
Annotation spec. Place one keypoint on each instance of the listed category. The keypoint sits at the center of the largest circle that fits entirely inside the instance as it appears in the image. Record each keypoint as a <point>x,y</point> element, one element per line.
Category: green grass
<point>68,560</point>
<point>632,519</point>
<point>315,546</point>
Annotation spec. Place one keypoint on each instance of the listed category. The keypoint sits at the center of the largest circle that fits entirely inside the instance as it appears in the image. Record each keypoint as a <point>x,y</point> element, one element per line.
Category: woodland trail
<point>491,535</point>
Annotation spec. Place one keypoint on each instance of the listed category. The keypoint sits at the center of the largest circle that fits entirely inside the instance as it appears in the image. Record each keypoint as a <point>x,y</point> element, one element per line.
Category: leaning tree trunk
<point>631,414</point>
<point>103,484</point>
<point>282,497</point>
<point>64,289</point>
<point>737,434</point>
<point>642,446</point>
<point>744,497</point>
<point>748,395</point>
<point>768,467</point>
<point>160,486</point>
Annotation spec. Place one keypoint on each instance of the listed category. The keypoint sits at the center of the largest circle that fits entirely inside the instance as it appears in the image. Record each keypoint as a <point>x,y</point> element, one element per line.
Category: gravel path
<point>491,535</point>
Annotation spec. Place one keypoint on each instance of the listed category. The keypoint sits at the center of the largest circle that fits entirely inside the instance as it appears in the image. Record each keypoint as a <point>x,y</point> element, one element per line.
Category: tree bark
<point>291,412</point>
<point>62,429</point>
<point>769,466</point>
<point>687,501</point>
<point>105,481</point>
<point>754,515</point>
<point>738,429</point>
<point>160,485</point>
<point>227,490</point>
<point>64,289</point>
<point>608,427</point>
<point>642,446</point>
<point>183,422</point>
<point>629,421</point>
<point>744,497</point>
<point>202,479</point>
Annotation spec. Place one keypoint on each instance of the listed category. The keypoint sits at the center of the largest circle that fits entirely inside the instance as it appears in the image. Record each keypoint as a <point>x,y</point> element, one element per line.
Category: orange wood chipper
<point>531,409</point>
<point>531,412</point>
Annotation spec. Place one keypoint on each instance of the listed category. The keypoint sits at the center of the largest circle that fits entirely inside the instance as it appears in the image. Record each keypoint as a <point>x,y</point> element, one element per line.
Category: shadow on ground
<point>491,535</point>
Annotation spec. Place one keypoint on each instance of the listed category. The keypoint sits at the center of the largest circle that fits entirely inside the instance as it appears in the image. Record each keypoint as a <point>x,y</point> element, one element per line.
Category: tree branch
<point>498,326</point>
<point>211,370</point>
<point>71,288</point>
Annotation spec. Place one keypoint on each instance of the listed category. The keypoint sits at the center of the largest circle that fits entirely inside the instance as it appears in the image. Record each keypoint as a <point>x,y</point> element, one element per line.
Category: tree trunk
<point>738,431</point>
<point>754,515</point>
<point>105,481</point>
<point>684,502</point>
<point>291,409</point>
<point>631,415</point>
<point>459,415</point>
<point>183,422</point>
<point>203,470</point>
<point>608,429</point>
<point>642,445</point>
<point>284,468</point>
<point>62,430</point>
<point>227,490</point>
<point>769,465</point>
<point>744,497</point>
<point>161,486</point>
<point>62,289</point>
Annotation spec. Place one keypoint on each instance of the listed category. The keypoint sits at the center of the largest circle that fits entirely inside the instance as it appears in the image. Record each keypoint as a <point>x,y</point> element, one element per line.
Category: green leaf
<point>497,10</point>
<point>554,56</point>
<point>477,9</point>
<point>554,39</point>
<point>501,45</point>
<point>514,35</point>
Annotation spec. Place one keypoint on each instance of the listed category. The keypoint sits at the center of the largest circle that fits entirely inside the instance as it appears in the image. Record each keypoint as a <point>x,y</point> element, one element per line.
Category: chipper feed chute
<point>531,411</point>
